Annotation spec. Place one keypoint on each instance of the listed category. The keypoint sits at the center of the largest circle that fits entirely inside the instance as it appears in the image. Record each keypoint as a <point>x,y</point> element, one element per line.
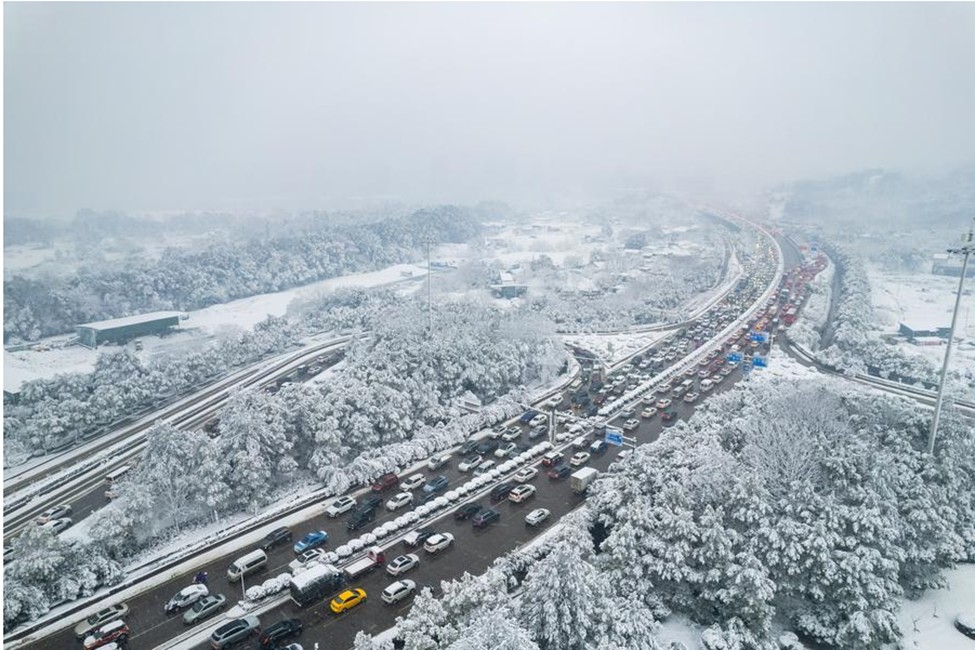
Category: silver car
<point>204,608</point>
<point>96,620</point>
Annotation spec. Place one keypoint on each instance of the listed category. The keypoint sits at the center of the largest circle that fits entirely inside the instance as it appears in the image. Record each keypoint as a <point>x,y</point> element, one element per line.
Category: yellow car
<point>347,600</point>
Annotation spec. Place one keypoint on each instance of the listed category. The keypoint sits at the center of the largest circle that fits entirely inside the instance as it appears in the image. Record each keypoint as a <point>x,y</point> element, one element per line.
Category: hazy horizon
<point>261,106</point>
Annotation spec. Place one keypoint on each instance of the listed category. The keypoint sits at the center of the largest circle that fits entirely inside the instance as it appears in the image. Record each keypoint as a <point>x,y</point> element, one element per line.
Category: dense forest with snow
<point>783,505</point>
<point>393,403</point>
<point>186,280</point>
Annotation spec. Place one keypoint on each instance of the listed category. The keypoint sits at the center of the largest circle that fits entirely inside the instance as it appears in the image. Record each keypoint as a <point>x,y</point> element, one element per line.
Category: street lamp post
<point>965,250</point>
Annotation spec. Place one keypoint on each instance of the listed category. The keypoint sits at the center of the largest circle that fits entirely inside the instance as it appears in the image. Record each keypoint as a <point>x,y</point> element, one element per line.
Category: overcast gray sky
<point>167,106</point>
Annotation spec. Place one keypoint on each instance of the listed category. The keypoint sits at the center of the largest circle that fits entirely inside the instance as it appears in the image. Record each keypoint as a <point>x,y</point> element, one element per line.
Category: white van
<point>244,566</point>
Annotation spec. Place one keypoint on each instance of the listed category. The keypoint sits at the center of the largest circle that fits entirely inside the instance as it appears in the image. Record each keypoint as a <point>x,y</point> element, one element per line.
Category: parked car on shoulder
<point>339,506</point>
<point>276,537</point>
<point>99,618</point>
<point>437,461</point>
<point>385,482</point>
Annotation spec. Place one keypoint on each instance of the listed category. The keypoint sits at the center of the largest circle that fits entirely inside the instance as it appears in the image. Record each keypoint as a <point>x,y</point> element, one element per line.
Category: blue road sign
<point>614,437</point>
<point>759,362</point>
<point>761,337</point>
<point>734,356</point>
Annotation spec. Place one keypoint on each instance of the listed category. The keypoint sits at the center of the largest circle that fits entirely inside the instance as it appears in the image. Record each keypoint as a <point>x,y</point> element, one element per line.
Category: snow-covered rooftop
<point>130,320</point>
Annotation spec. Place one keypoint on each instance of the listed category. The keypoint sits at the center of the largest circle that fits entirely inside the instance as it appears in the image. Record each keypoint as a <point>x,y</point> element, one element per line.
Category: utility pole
<point>965,250</point>
<point>429,291</point>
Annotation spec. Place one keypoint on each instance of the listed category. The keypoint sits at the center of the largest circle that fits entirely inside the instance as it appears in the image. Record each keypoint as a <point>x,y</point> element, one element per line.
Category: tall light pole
<point>965,250</point>
<point>429,290</point>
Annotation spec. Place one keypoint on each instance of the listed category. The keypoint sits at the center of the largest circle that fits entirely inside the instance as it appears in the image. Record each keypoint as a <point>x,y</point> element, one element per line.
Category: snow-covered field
<point>928,622</point>
<point>201,326</point>
<point>610,348</point>
<point>924,299</point>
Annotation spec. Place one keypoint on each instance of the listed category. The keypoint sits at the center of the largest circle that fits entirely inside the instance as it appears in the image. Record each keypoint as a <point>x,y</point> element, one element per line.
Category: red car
<point>385,482</point>
<point>669,415</point>
<point>114,631</point>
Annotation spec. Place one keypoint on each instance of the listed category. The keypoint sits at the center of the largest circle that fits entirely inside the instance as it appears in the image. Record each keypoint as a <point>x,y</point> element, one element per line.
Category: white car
<point>581,442</point>
<point>469,463</point>
<point>511,434</point>
<point>537,516</point>
<point>555,400</point>
<point>186,597</point>
<point>664,403</point>
<point>438,542</point>
<point>628,412</point>
<point>398,591</point>
<point>309,557</point>
<point>57,512</point>
<point>521,493</point>
<point>690,398</point>
<point>402,564</point>
<point>438,461</point>
<point>400,500</point>
<point>648,412</point>
<point>630,425</point>
<point>339,506</point>
<point>526,474</point>
<point>412,482</point>
<point>505,450</point>
<point>539,419</point>
<point>485,467</point>
<point>579,459</point>
<point>649,400</point>
<point>58,525</point>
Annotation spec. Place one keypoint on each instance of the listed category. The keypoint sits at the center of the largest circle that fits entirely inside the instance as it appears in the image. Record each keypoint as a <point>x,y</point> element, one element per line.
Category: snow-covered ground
<point>45,360</point>
<point>610,348</point>
<point>247,312</point>
<point>928,622</point>
<point>924,299</point>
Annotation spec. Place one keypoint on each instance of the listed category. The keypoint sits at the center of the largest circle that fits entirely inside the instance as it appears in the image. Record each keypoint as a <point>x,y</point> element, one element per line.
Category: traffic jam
<point>355,567</point>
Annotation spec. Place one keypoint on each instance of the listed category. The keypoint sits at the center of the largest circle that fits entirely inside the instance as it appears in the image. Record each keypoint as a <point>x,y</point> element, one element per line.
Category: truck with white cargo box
<point>375,557</point>
<point>579,481</point>
<point>314,583</point>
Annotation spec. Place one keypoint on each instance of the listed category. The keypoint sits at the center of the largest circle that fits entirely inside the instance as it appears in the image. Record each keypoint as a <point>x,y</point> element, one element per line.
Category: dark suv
<point>385,482</point>
<point>485,518</point>
<point>360,519</point>
<point>276,537</point>
<point>502,490</point>
<point>467,448</point>
<point>488,446</point>
<point>368,503</point>
<point>279,631</point>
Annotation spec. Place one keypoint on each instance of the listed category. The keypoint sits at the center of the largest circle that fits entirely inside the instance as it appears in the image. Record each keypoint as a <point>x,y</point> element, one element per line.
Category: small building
<point>509,290</point>
<point>118,330</point>
<point>944,264</point>
<point>921,330</point>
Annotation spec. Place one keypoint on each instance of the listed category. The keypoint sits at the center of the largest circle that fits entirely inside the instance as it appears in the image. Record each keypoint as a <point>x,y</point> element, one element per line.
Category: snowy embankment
<point>611,348</point>
<point>928,622</point>
<point>44,360</point>
<point>812,317</point>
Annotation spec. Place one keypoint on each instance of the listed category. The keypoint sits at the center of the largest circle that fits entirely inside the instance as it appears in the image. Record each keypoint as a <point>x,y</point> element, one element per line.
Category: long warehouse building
<point>123,329</point>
